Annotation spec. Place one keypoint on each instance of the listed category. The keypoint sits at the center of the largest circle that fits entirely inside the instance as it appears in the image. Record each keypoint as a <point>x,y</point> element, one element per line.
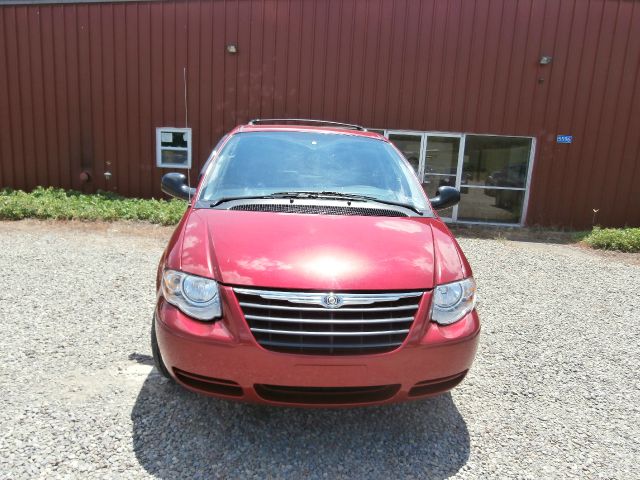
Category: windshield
<point>264,163</point>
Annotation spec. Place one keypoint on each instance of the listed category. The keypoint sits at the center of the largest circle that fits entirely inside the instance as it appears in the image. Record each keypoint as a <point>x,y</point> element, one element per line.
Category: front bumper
<point>223,359</point>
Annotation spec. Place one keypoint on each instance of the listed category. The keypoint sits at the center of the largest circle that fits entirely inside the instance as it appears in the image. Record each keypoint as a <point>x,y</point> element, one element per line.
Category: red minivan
<point>310,269</point>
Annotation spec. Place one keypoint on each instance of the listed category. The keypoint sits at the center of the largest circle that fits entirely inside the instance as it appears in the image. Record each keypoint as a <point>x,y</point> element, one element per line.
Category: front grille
<point>303,322</point>
<point>318,209</point>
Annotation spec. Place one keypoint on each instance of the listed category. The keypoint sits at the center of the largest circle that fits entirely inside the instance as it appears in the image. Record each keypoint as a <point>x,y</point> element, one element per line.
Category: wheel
<point>155,350</point>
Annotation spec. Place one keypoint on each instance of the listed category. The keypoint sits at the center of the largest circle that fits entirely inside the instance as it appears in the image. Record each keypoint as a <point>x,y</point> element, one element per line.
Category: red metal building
<point>478,93</point>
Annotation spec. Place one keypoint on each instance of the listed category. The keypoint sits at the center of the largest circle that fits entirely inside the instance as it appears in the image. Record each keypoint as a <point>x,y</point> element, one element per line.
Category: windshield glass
<point>263,163</point>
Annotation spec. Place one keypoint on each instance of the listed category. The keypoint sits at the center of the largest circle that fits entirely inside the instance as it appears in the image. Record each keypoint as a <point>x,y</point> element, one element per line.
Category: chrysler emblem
<point>332,301</point>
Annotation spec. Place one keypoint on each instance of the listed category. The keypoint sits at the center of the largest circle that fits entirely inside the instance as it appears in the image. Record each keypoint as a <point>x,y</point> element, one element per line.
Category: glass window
<point>442,155</point>
<point>263,163</point>
<point>490,205</point>
<point>496,161</point>
<point>173,147</point>
<point>409,145</point>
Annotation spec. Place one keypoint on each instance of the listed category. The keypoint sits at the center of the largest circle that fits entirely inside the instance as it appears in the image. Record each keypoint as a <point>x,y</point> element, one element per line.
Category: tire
<point>155,350</point>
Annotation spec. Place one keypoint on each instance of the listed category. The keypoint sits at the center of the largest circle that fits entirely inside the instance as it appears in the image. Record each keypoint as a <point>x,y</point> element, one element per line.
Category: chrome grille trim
<point>300,322</point>
<point>315,298</point>
<point>309,320</point>
<point>330,334</point>
<point>320,309</point>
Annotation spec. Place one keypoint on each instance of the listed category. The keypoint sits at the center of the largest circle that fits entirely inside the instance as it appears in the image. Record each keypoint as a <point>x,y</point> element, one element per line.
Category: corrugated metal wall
<point>83,86</point>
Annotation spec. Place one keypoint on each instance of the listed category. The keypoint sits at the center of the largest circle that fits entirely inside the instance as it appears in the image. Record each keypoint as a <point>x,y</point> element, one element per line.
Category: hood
<point>319,252</point>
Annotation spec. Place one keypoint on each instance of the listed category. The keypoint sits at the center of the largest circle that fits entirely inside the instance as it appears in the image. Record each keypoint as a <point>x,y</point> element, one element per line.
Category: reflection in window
<point>442,154</point>
<point>491,205</point>
<point>409,145</point>
<point>496,161</point>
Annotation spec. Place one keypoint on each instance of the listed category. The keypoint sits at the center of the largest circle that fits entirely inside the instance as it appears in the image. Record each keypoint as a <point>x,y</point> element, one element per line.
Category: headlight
<point>453,301</point>
<point>198,297</point>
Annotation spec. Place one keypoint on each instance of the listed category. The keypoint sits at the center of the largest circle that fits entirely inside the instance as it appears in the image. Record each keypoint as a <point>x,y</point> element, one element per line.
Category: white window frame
<point>463,136</point>
<point>160,148</point>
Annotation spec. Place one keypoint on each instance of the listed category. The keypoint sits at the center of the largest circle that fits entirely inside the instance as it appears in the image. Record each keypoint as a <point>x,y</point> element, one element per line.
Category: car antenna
<point>186,124</point>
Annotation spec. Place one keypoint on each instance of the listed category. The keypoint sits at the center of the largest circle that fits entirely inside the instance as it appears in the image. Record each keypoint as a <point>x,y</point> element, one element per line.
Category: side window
<point>173,147</point>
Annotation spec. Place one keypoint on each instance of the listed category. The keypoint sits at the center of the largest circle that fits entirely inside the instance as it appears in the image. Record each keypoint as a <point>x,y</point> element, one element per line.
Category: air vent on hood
<point>318,209</point>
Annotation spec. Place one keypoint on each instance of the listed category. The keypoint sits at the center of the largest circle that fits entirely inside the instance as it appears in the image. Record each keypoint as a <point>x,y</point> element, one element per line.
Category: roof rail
<point>277,121</point>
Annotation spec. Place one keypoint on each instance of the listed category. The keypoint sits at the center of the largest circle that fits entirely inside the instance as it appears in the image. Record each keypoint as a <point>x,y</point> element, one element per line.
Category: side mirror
<point>175,184</point>
<point>447,197</point>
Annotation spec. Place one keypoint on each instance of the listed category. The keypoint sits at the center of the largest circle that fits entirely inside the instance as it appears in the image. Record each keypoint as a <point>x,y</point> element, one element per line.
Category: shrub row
<point>59,204</point>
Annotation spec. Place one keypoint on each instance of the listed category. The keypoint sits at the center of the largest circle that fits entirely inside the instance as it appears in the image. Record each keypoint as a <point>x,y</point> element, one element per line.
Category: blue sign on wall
<point>564,139</point>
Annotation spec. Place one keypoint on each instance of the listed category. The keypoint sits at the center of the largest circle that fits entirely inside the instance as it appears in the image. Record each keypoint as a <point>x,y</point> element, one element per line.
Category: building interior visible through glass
<point>492,171</point>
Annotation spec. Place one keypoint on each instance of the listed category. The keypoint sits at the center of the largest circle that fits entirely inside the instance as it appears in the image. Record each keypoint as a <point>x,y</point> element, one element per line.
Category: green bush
<point>623,239</point>
<point>59,204</point>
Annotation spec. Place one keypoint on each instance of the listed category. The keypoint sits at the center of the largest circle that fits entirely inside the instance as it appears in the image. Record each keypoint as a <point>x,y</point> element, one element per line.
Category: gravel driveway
<point>554,391</point>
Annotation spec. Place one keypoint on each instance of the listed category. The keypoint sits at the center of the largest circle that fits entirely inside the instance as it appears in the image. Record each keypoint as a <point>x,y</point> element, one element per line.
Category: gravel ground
<point>554,392</point>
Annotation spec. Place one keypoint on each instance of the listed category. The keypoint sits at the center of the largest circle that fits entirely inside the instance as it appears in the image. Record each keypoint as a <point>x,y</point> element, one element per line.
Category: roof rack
<point>276,121</point>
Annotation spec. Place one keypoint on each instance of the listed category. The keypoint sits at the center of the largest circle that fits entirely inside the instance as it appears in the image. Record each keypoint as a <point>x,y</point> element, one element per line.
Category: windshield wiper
<point>323,194</point>
<point>344,196</point>
<point>368,198</point>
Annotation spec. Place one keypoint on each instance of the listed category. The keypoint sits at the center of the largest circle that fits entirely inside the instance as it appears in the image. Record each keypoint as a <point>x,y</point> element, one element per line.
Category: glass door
<point>442,155</point>
<point>411,146</point>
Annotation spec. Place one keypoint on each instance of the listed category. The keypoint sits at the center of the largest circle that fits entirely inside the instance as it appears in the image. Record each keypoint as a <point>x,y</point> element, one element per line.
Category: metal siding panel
<point>268,56</point>
<point>25,86</point>
<point>7,177</point>
<point>230,66</point>
<point>121,139</point>
<point>595,177</point>
<point>560,103</point>
<point>146,142</point>
<point>625,183</point>
<point>50,107</point>
<point>333,46</point>
<point>447,79</point>
<point>388,109</point>
<point>318,58</point>
<point>581,119</point>
<point>194,24</point>
<point>132,82</point>
<point>461,72</point>
<point>157,84</point>
<point>255,54</point>
<point>409,63</point>
<point>280,58</point>
<point>84,90</point>
<point>357,77</point>
<point>202,91</point>
<point>556,33</point>
<point>530,85</point>
<point>371,50</point>
<point>520,67</point>
<point>107,98</point>
<point>436,59</point>
<point>243,78</point>
<point>503,67</point>
<point>38,135</point>
<point>96,52</point>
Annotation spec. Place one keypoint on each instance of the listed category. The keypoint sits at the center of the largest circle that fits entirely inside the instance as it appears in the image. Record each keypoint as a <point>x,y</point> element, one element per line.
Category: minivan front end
<point>317,287</point>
